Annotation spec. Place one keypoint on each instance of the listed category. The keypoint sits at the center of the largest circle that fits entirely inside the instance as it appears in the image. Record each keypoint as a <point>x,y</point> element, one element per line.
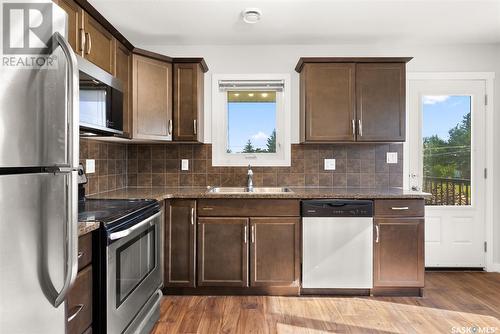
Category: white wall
<point>283,58</point>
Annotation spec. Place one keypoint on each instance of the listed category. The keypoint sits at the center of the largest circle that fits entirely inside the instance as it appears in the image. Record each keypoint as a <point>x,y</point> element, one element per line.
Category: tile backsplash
<point>356,166</point>
<point>110,165</point>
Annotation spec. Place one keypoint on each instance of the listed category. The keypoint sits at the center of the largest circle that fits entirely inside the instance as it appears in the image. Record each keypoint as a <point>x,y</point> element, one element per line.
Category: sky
<point>250,120</point>
<point>441,113</point>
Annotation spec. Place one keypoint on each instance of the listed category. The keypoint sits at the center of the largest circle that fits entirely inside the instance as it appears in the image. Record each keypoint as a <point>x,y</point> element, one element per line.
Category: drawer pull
<point>207,208</point>
<point>75,310</point>
<point>400,208</point>
<point>80,254</point>
<point>377,230</point>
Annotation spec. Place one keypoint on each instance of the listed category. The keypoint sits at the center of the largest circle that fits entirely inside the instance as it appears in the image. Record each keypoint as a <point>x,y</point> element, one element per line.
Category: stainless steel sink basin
<point>238,190</point>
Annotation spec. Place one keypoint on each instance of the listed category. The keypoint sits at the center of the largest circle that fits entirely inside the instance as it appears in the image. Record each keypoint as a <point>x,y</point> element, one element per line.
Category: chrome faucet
<point>250,179</point>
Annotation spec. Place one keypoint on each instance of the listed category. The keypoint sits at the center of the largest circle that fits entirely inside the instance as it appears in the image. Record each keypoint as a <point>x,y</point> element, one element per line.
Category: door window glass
<point>446,134</point>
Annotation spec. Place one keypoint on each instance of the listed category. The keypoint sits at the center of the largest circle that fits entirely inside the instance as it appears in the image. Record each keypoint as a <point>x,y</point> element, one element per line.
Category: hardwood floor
<point>452,300</point>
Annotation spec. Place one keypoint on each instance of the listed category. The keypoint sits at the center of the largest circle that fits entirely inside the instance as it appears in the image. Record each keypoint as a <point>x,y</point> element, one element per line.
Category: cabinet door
<point>75,21</point>
<point>79,303</point>
<point>188,102</point>
<point>123,71</point>
<point>274,252</point>
<point>152,99</point>
<point>223,252</point>
<point>180,244</point>
<point>398,252</point>
<point>99,44</point>
<point>380,101</point>
<point>327,102</point>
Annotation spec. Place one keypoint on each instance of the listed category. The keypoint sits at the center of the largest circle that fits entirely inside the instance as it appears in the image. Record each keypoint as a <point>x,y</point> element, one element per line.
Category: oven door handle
<point>127,232</point>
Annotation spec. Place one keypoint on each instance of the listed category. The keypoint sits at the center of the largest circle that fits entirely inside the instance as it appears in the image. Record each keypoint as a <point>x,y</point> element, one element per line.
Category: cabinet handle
<point>207,208</point>
<point>253,234</point>
<point>360,127</point>
<point>192,216</point>
<point>377,233</point>
<point>82,40</point>
<point>89,44</point>
<point>169,126</point>
<point>400,208</point>
<point>353,122</point>
<point>80,254</point>
<point>245,235</point>
<point>75,310</point>
<point>195,130</point>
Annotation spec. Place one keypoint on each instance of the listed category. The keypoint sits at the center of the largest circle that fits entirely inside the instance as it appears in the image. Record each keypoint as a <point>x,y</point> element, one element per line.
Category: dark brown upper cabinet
<point>223,251</point>
<point>123,71</point>
<point>380,101</point>
<point>151,98</point>
<point>188,99</point>
<point>352,99</point>
<point>327,102</point>
<point>75,23</point>
<point>99,44</point>
<point>180,243</point>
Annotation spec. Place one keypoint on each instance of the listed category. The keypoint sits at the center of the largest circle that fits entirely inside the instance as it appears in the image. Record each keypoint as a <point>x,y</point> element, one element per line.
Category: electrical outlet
<point>184,164</point>
<point>89,166</point>
<point>329,164</point>
<point>392,157</point>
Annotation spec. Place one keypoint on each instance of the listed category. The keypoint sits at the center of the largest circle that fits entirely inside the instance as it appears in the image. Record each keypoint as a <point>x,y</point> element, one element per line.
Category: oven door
<point>134,271</point>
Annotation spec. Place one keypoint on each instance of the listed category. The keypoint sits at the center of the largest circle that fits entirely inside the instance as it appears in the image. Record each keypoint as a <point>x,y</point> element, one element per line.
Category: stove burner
<point>108,211</point>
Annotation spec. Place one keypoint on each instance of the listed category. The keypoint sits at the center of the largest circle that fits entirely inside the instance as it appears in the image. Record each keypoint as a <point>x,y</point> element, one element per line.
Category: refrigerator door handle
<point>71,237</point>
<point>73,98</point>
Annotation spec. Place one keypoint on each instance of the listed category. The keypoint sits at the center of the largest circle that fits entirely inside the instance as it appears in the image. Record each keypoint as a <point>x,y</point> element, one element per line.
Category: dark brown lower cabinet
<point>223,252</point>
<point>274,252</point>
<point>79,303</point>
<point>398,257</point>
<point>180,243</point>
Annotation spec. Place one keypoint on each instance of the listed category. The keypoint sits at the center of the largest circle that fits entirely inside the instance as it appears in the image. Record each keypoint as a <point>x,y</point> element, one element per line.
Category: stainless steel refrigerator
<point>38,190</point>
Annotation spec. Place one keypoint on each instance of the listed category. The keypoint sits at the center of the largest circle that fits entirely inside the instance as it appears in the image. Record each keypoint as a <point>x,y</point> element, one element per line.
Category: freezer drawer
<point>337,252</point>
<point>34,211</point>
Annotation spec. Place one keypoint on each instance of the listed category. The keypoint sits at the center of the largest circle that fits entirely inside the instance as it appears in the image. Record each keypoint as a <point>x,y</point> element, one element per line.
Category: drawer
<point>248,208</point>
<point>79,303</point>
<point>399,208</point>
<point>84,250</point>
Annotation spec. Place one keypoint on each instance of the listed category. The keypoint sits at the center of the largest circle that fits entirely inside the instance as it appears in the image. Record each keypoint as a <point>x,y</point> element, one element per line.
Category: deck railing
<point>447,191</point>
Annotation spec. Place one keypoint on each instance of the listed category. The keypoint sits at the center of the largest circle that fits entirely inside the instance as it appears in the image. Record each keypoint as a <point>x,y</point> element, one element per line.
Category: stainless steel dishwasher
<point>337,244</point>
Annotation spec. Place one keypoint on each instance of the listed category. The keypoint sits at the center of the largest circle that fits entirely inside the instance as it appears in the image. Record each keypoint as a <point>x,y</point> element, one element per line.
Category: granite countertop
<point>161,193</point>
<point>87,227</point>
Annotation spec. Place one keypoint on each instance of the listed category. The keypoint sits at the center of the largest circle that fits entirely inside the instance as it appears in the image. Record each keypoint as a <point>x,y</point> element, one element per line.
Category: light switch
<point>392,157</point>
<point>329,164</point>
<point>184,164</point>
<point>89,166</point>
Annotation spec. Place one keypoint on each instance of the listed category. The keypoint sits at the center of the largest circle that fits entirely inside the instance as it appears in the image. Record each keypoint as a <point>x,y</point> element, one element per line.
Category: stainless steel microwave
<point>101,101</point>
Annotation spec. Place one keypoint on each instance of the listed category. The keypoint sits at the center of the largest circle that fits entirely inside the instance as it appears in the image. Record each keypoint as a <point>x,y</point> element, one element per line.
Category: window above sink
<point>251,120</point>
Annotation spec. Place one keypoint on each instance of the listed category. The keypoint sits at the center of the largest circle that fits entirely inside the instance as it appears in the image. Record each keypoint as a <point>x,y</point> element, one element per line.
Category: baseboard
<point>494,267</point>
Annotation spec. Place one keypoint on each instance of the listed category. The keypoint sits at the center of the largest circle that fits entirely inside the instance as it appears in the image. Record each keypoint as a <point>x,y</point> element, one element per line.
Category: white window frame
<point>220,157</point>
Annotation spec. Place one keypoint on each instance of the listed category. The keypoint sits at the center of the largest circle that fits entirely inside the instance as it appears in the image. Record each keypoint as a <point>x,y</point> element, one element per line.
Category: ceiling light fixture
<point>251,15</point>
<point>250,94</point>
<point>264,94</point>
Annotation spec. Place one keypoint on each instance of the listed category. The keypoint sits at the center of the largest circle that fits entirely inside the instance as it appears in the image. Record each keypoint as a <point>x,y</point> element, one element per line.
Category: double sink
<point>245,190</point>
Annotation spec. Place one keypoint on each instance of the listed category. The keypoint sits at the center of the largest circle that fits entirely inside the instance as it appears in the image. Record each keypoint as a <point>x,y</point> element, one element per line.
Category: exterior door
<point>447,159</point>
<point>223,252</point>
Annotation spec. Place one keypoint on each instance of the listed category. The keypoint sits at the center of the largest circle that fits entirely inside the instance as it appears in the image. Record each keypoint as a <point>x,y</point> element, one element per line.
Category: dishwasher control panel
<point>337,208</point>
